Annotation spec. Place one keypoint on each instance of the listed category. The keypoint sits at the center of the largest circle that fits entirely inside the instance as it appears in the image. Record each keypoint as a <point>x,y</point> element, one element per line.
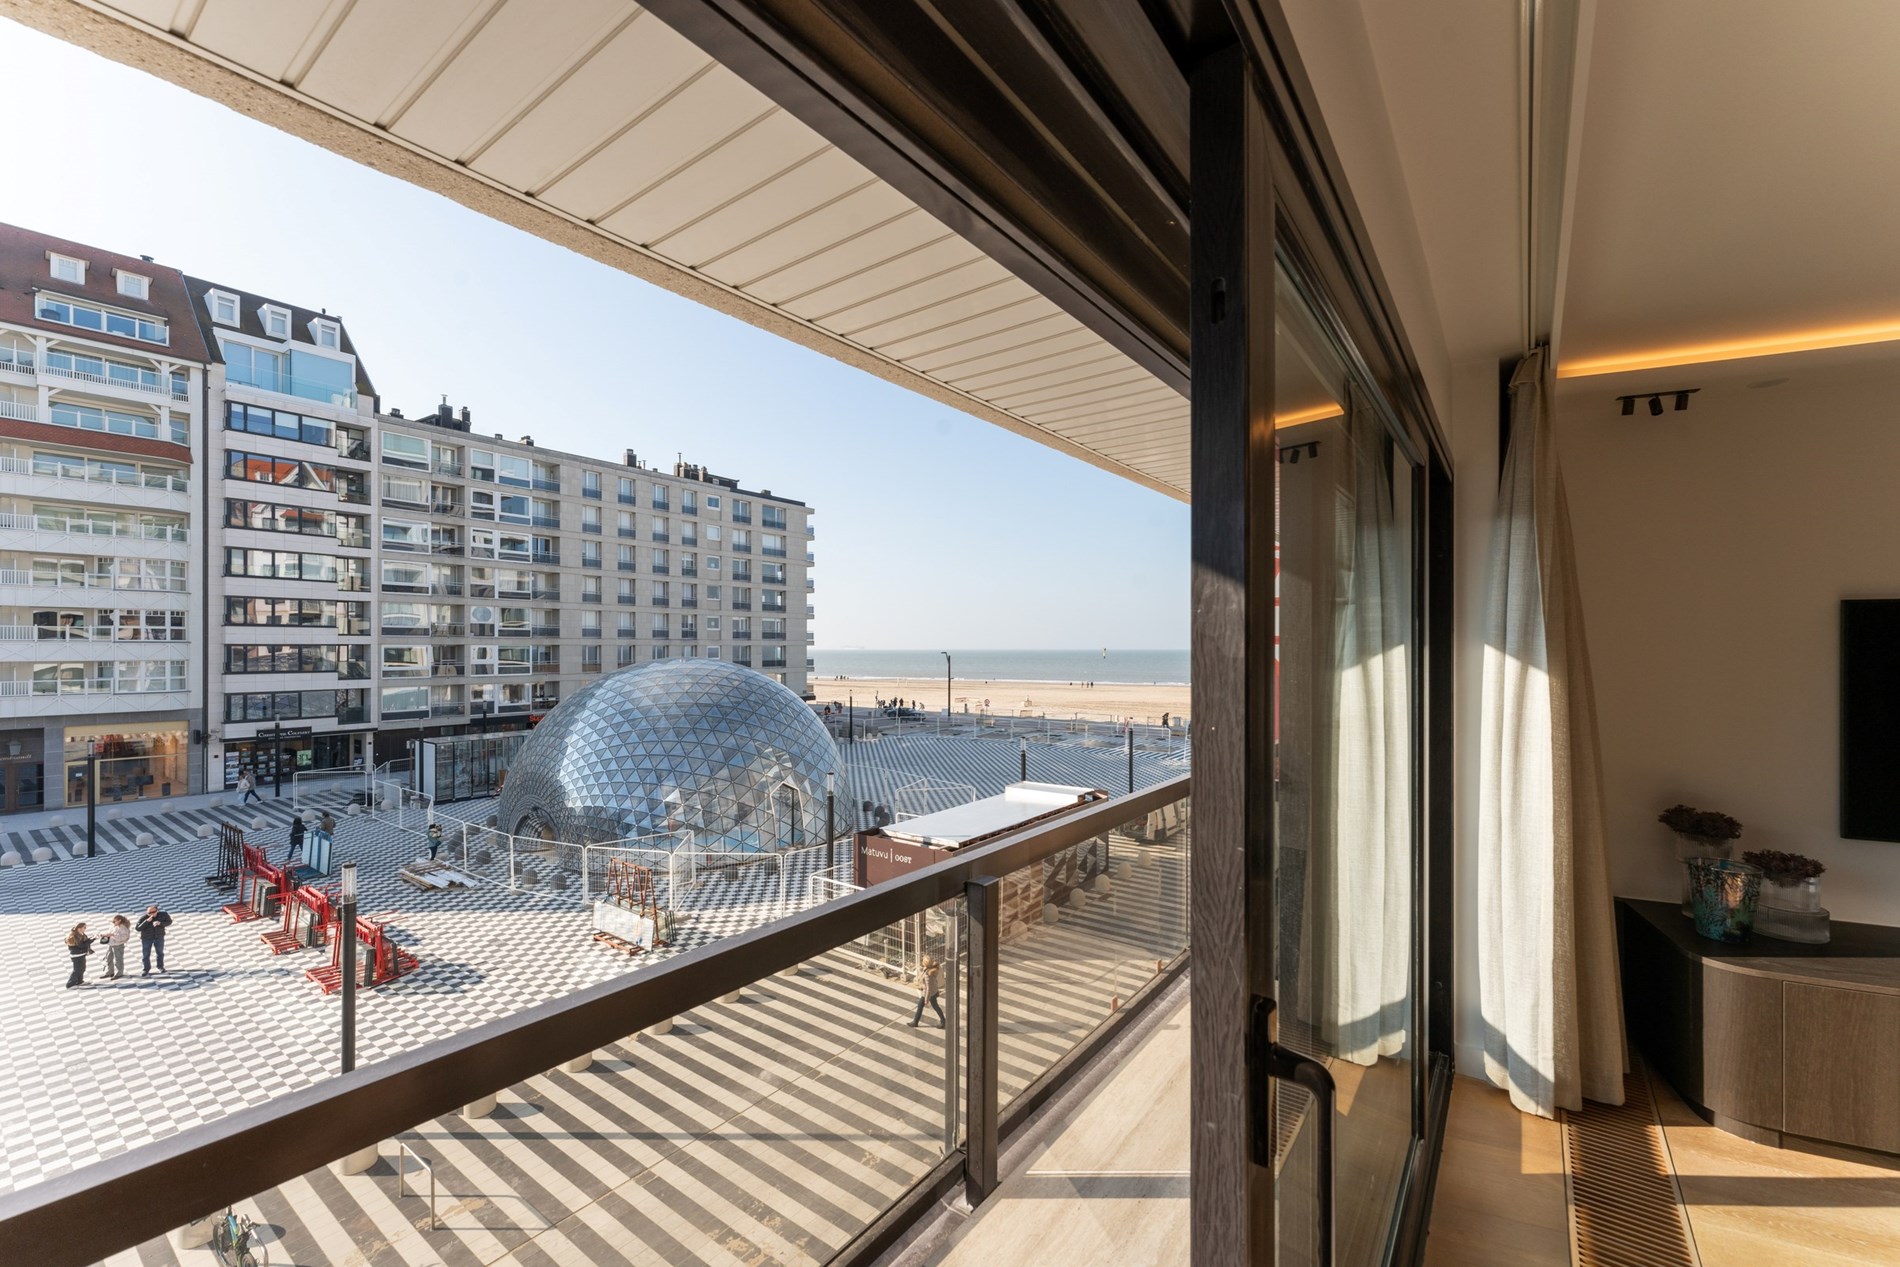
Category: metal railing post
<point>952,964</point>
<point>981,1107</point>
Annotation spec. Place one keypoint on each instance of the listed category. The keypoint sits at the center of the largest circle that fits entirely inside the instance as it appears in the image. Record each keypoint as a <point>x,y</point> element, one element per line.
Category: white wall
<point>1714,547</point>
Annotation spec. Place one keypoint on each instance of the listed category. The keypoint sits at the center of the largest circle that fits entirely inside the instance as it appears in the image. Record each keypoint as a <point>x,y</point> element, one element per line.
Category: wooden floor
<point>1500,1199</point>
<point>1111,1184</point>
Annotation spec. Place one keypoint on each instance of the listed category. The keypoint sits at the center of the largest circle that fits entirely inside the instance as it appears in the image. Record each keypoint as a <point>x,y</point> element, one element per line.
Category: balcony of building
<point>274,387</point>
<point>46,476</point>
<point>37,528</point>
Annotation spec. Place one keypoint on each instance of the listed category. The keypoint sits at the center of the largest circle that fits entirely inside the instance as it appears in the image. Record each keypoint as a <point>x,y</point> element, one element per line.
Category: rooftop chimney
<point>465,417</point>
<point>146,258</point>
<point>528,440</point>
<point>633,459</point>
<point>443,413</point>
<point>395,413</point>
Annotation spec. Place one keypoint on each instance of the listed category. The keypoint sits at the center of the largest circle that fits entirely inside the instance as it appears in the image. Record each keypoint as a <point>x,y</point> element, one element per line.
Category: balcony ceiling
<point>593,123</point>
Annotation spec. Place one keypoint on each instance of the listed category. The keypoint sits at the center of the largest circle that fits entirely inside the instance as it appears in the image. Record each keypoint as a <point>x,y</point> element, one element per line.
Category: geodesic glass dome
<point>704,750</point>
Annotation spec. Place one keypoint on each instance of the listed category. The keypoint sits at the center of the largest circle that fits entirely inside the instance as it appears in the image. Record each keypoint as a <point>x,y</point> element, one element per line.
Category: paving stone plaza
<point>102,1069</point>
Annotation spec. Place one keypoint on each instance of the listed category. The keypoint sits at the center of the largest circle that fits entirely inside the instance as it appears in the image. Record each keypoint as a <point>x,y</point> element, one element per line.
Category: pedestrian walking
<point>929,987</point>
<point>79,947</point>
<point>115,939</point>
<point>435,839</point>
<point>296,838</point>
<point>151,928</point>
<point>1164,721</point>
<point>247,789</point>
<point>326,827</point>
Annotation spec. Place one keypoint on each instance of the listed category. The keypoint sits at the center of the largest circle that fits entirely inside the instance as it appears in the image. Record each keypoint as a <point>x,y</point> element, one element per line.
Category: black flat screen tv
<point>1870,718</point>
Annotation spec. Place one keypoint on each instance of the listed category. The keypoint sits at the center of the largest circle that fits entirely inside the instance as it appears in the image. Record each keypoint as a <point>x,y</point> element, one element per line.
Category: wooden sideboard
<point>1770,1038</point>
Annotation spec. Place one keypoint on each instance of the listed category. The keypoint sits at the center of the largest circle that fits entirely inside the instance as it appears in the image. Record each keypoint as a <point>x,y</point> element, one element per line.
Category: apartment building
<point>217,553</point>
<point>509,574</point>
<point>288,529</point>
<point>375,579</point>
<point>102,382</point>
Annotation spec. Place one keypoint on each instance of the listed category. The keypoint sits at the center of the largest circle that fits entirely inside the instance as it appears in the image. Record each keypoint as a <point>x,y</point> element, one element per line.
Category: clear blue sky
<point>934,528</point>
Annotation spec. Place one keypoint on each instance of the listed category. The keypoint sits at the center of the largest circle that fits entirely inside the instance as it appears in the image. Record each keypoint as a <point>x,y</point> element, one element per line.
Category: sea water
<point>1008,666</point>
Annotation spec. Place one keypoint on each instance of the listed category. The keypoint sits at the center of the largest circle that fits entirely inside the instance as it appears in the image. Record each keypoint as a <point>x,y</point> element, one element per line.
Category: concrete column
<point>359,1161</point>
<point>482,1107</point>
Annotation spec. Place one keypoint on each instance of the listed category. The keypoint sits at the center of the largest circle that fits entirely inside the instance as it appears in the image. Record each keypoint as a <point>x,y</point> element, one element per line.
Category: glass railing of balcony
<point>545,558</point>
<point>662,569</point>
<point>626,600</point>
<point>15,360</point>
<point>541,483</point>
<point>545,521</point>
<point>689,602</point>
<point>686,570</point>
<point>810,532</point>
<point>772,552</point>
<point>741,605</point>
<point>772,521</point>
<point>742,516</point>
<point>352,450</point>
<point>285,385</point>
<point>662,602</point>
<point>926,1108</point>
<point>444,466</point>
<point>662,537</point>
<point>546,595</point>
<point>625,632</point>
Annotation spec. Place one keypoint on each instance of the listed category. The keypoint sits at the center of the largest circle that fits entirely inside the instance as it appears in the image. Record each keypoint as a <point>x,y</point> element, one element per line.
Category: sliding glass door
<point>1347,936</point>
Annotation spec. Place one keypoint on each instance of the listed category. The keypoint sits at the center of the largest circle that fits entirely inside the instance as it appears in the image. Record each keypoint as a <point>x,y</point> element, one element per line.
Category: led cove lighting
<point>1737,350</point>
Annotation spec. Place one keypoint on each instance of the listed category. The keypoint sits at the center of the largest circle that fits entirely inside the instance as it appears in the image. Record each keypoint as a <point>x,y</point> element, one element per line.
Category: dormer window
<point>276,321</point>
<point>67,269</point>
<point>132,286</point>
<point>326,334</point>
<point>224,308</point>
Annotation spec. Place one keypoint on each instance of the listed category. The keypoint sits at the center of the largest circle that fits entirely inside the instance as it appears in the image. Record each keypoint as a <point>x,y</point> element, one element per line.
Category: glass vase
<point>1724,894</point>
<point>1688,847</point>
<point>1793,912</point>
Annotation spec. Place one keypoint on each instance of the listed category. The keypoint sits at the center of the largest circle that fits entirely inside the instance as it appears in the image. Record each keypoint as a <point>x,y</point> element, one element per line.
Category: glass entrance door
<point>1344,834</point>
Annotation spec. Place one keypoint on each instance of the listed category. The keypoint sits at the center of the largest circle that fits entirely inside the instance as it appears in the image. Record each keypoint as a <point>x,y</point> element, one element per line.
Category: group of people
<point>151,928</point>
<point>326,832</point>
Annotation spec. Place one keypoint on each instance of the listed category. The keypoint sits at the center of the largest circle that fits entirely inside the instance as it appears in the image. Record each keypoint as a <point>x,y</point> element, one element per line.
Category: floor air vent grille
<point>1625,1207</point>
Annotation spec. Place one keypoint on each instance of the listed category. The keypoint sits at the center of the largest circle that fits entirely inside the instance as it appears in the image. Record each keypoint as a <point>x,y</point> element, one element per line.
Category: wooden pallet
<point>434,876</point>
<point>240,912</point>
<point>620,944</point>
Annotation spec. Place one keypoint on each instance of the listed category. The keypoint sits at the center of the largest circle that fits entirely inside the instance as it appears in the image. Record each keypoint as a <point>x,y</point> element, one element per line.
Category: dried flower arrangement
<point>1702,824</point>
<point>1784,868</point>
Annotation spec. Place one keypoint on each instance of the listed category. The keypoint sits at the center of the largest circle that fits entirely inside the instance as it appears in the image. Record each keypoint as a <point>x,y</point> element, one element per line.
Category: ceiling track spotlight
<point>1291,454</point>
<point>1655,399</point>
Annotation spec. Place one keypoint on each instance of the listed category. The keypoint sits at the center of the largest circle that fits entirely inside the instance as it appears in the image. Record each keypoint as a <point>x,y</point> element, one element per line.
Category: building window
<point>132,286</point>
<point>68,269</point>
<point>624,657</point>
<point>590,483</point>
<point>590,589</point>
<point>405,450</point>
<point>224,308</point>
<point>590,554</point>
<point>91,317</point>
<point>712,503</point>
<point>276,321</point>
<point>590,657</point>
<point>326,334</point>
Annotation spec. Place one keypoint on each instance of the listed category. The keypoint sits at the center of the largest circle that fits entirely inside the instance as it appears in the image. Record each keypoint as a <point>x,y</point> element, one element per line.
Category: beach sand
<point>1106,701</point>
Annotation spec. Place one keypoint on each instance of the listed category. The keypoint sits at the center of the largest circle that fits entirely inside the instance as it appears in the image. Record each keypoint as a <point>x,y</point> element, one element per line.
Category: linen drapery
<point>1364,866</point>
<point>1548,986</point>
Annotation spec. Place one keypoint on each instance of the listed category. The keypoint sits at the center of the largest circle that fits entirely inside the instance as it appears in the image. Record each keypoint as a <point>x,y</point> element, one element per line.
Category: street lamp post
<point>851,718</point>
<point>1131,758</point>
<point>831,832</point>
<point>92,792</point>
<point>946,682</point>
<point>346,929</point>
<point>1025,748</point>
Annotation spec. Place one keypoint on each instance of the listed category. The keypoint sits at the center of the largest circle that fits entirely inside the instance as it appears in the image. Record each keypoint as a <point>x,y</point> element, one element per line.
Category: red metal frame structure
<point>383,961</point>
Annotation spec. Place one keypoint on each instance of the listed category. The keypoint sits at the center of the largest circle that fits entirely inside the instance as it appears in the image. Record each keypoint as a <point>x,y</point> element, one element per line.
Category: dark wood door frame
<point>1232,587</point>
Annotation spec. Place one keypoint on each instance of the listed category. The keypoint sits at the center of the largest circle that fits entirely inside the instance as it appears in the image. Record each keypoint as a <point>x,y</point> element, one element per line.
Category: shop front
<point>289,751</point>
<point>137,762</point>
<point>22,770</point>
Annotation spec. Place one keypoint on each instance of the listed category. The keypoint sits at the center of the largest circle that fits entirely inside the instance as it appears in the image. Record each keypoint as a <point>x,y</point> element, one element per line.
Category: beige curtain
<point>1364,865</point>
<point>1548,985</point>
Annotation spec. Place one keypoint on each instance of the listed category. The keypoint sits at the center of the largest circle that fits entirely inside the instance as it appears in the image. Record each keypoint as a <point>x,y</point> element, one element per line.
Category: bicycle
<point>234,1239</point>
